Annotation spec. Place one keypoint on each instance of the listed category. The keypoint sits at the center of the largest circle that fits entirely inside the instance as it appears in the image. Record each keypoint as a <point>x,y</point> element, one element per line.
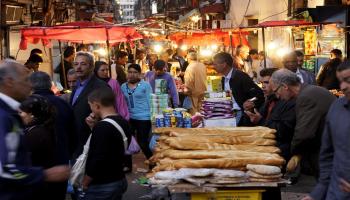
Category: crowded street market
<point>185,99</point>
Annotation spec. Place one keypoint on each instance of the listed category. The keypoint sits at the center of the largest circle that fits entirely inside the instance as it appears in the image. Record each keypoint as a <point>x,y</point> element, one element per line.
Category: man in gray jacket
<point>292,63</point>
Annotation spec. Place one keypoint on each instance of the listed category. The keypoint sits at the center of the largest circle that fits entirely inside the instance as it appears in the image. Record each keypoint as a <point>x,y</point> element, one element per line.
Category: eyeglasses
<point>276,90</point>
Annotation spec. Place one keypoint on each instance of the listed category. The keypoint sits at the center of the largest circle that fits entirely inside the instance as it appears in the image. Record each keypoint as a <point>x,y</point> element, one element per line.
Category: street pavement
<point>136,191</point>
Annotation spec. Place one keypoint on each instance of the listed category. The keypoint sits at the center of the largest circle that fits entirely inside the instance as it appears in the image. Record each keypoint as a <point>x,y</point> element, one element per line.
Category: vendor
<point>160,73</point>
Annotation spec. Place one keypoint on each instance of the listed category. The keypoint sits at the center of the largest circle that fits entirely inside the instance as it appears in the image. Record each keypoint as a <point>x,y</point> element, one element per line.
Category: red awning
<point>208,38</point>
<point>288,23</point>
<point>79,32</point>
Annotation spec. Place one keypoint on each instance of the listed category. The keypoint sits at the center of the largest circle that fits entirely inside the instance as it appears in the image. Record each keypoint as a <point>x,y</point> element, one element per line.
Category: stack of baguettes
<point>222,148</point>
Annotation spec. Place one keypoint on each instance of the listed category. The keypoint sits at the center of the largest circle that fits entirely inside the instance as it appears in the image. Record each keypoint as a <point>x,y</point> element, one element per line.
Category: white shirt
<point>298,73</point>
<point>228,88</point>
<point>10,101</point>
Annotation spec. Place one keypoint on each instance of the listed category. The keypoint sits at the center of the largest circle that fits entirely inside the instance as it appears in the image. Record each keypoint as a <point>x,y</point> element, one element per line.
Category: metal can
<point>179,120</point>
<point>167,121</point>
<point>187,122</point>
<point>159,121</point>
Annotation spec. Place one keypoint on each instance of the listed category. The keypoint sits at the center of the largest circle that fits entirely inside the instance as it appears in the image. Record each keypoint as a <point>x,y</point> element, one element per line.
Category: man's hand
<point>86,182</point>
<point>91,120</point>
<point>254,117</point>
<point>308,197</point>
<point>344,185</point>
<point>57,173</point>
<point>293,163</point>
<point>248,105</point>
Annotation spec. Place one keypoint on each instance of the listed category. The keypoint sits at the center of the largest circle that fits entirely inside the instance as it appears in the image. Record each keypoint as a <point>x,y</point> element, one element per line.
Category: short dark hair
<point>120,54</point>
<point>299,53</point>
<point>159,65</point>
<point>69,51</point>
<point>253,51</point>
<point>36,51</point>
<point>35,58</point>
<point>42,110</point>
<point>337,52</point>
<point>40,80</point>
<point>267,71</point>
<point>344,65</point>
<point>104,95</point>
<point>224,57</point>
<point>136,67</point>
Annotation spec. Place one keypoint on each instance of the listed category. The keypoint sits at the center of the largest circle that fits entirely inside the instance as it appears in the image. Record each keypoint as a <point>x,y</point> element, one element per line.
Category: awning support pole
<point>62,65</point>
<point>264,47</point>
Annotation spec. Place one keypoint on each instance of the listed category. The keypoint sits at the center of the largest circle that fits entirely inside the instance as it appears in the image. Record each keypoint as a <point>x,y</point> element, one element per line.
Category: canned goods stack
<point>174,118</point>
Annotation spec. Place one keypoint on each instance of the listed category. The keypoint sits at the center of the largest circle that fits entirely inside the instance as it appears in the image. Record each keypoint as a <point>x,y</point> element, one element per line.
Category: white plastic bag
<point>78,169</point>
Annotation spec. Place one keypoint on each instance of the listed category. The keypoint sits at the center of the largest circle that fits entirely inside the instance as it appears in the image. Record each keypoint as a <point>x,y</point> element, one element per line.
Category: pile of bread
<point>217,148</point>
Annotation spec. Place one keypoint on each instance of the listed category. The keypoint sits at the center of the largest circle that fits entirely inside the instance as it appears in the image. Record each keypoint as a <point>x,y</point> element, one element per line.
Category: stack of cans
<point>159,121</point>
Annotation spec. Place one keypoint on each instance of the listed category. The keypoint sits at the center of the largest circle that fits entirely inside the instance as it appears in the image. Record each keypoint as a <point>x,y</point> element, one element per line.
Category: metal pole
<point>108,53</point>
<point>62,65</point>
<point>231,42</point>
<point>263,35</point>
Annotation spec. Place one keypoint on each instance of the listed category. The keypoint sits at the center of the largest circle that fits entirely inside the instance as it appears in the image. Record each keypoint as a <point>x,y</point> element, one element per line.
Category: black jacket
<point>328,75</point>
<point>244,88</point>
<point>282,118</point>
<point>82,110</point>
<point>65,135</point>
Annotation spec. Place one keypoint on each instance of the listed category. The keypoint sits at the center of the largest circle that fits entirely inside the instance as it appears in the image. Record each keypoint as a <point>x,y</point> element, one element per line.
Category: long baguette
<point>189,145</point>
<point>225,133</point>
<point>229,130</point>
<point>203,154</point>
<point>222,163</point>
<point>225,140</point>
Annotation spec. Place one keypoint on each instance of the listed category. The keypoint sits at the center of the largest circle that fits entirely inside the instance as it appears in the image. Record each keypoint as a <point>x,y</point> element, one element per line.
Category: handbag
<point>134,147</point>
<point>78,169</point>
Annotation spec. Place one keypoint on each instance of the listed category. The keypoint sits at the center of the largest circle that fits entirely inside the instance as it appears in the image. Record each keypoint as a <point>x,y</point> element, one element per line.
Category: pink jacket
<point>120,103</point>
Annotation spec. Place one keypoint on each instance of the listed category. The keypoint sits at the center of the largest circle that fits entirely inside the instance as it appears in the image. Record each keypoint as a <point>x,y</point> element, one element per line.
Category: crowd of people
<point>41,133</point>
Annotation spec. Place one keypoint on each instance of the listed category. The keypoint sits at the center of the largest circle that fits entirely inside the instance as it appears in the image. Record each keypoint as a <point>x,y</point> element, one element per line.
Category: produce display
<point>249,154</point>
<point>337,93</point>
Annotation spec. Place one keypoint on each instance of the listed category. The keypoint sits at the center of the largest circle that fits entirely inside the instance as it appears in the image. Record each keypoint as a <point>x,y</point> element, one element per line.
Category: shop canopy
<point>288,23</point>
<point>79,32</point>
<point>209,38</point>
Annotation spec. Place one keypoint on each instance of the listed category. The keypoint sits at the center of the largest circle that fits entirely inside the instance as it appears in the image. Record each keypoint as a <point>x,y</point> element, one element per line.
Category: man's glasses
<point>276,90</point>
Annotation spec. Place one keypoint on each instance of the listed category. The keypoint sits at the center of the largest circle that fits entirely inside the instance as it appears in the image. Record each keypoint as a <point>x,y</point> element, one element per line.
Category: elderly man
<point>334,181</point>
<point>291,62</point>
<point>17,179</point>
<point>71,80</point>
<point>238,83</point>
<point>69,54</point>
<point>312,104</point>
<point>275,113</point>
<point>195,81</point>
<point>84,69</point>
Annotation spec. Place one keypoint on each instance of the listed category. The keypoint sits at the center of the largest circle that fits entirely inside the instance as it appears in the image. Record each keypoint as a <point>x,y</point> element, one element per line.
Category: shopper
<point>38,116</point>
<point>275,113</point>
<point>312,104</point>
<point>290,62</point>
<point>104,177</point>
<point>102,72</point>
<point>15,87</point>
<point>33,63</point>
<point>327,76</point>
<point>160,73</point>
<point>121,60</point>
<point>137,94</point>
<point>237,83</point>
<point>334,181</point>
<point>68,54</point>
<point>84,69</point>
<point>195,82</point>
<point>71,80</point>
<point>240,58</point>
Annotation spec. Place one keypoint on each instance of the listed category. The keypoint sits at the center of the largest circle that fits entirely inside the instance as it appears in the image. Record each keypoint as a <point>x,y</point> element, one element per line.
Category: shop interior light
<point>157,48</point>
<point>282,51</point>
<point>195,18</point>
<point>214,47</point>
<point>102,51</point>
<point>163,32</point>
<point>154,34</point>
<point>174,46</point>
<point>272,45</point>
<point>184,47</point>
<point>206,52</point>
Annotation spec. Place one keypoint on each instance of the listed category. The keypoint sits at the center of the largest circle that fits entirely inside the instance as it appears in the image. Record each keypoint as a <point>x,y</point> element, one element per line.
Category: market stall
<point>79,32</point>
<point>216,162</point>
<point>311,38</point>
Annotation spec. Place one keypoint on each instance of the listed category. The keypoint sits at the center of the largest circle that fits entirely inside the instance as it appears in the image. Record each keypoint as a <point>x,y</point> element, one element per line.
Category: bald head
<point>290,61</point>
<point>14,80</point>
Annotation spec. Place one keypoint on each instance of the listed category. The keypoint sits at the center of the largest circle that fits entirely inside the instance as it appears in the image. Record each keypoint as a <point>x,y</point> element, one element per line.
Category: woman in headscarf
<point>102,72</point>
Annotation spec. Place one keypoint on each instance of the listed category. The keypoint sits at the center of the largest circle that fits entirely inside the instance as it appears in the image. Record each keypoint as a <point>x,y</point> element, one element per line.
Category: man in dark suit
<point>18,180</point>
<point>84,67</point>
<point>293,62</point>
<point>312,104</point>
<point>238,83</point>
